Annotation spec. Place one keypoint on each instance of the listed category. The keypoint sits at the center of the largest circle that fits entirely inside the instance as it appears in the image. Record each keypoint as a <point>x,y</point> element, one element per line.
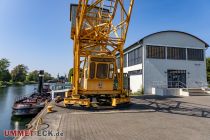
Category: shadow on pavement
<point>153,104</point>
<point>171,105</point>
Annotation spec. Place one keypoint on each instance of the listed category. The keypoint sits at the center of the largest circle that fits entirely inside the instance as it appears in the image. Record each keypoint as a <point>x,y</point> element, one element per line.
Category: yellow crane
<point>99,29</point>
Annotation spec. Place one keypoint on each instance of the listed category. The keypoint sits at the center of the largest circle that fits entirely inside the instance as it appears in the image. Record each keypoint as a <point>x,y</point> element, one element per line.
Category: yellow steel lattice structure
<point>99,29</point>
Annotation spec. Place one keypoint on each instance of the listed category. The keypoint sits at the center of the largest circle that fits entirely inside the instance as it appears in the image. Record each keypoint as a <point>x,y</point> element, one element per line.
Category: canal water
<point>7,98</point>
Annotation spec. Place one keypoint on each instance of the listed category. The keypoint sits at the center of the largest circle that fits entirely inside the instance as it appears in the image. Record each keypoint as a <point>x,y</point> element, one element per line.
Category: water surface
<point>7,98</point>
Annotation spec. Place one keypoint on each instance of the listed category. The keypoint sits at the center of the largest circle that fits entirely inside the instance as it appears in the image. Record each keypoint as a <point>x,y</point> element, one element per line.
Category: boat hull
<point>26,111</point>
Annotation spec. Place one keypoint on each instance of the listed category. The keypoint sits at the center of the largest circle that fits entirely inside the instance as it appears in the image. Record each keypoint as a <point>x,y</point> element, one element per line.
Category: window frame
<point>107,70</point>
<point>176,53</point>
<point>111,70</point>
<point>135,57</point>
<point>152,52</point>
<point>94,73</point>
<point>192,56</point>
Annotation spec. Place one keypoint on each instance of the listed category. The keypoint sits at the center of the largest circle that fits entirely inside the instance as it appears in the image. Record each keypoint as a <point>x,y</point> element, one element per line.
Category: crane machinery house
<point>167,63</point>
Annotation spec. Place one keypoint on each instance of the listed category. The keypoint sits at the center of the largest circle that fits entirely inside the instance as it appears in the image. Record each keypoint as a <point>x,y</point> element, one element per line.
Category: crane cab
<point>99,73</point>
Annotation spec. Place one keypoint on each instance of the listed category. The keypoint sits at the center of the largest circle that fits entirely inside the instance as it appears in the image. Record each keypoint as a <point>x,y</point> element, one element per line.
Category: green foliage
<point>33,76</point>
<point>5,76</point>
<point>140,92</point>
<point>19,73</point>
<point>19,83</point>
<point>4,72</point>
<point>4,64</point>
<point>47,77</point>
<point>71,71</point>
<point>208,69</point>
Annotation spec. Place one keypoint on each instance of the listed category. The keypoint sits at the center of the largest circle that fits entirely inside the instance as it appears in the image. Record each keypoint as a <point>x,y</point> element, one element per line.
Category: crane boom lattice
<point>99,29</point>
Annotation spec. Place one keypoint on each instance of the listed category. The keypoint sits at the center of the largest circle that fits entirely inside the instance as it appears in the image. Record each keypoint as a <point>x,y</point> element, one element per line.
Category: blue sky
<point>36,32</point>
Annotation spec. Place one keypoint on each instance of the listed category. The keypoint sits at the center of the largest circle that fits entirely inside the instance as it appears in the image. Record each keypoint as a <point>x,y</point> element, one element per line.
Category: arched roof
<point>171,31</point>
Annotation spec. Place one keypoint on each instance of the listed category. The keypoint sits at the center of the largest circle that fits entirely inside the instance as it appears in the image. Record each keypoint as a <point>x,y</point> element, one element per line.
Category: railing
<point>19,98</point>
<point>176,84</point>
<point>169,84</point>
<point>61,86</point>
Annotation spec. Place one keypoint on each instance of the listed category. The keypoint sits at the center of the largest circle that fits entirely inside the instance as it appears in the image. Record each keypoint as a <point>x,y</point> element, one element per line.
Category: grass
<point>138,93</point>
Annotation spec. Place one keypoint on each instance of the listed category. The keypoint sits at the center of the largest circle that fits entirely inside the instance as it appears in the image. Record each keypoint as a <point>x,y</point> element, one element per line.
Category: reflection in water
<point>16,125</point>
<point>7,98</point>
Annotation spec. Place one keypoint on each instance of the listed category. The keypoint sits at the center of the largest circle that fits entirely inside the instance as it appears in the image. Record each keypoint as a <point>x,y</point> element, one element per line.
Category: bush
<point>2,84</point>
<point>30,82</point>
<point>9,83</point>
<point>19,83</point>
<point>139,92</point>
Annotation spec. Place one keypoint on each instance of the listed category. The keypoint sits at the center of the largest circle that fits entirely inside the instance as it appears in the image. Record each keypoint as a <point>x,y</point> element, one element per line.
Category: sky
<point>36,33</point>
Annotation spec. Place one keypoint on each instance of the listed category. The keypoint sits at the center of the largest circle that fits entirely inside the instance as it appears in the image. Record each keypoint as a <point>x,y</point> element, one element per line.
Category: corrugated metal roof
<point>140,41</point>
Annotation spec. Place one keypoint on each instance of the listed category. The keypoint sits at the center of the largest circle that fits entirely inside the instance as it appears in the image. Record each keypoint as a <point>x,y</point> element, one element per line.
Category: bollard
<point>49,109</point>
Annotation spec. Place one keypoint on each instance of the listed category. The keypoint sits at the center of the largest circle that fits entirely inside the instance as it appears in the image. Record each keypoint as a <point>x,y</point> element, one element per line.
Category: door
<point>176,78</point>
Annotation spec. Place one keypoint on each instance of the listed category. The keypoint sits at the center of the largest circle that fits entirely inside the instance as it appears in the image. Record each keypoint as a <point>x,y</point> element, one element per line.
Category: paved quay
<point>147,118</point>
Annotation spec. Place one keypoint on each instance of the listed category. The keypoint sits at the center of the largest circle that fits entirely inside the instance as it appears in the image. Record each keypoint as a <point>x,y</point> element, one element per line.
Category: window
<point>118,62</point>
<point>125,60</point>
<point>131,58</point>
<point>96,59</point>
<point>135,72</point>
<point>157,52</point>
<point>135,57</point>
<point>86,73</point>
<point>176,53</point>
<point>111,71</point>
<point>195,54</point>
<point>102,70</point>
<point>138,56</point>
<point>176,78</point>
<point>92,70</point>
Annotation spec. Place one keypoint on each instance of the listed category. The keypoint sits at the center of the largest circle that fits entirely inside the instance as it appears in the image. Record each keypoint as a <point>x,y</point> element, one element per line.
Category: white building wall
<point>133,68</point>
<point>155,70</point>
<point>135,83</point>
<point>135,80</point>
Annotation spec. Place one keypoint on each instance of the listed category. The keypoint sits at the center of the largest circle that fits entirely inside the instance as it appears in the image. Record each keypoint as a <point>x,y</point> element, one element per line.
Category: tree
<point>4,72</point>
<point>19,73</point>
<point>6,76</point>
<point>33,76</point>
<point>4,64</point>
<point>47,77</point>
<point>71,71</point>
<point>208,69</point>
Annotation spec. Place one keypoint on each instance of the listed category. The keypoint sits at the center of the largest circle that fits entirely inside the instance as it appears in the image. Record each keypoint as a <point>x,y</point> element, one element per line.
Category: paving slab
<point>147,118</point>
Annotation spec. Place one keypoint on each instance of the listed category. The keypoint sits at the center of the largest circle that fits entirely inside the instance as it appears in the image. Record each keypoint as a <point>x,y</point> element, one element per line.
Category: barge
<point>32,105</point>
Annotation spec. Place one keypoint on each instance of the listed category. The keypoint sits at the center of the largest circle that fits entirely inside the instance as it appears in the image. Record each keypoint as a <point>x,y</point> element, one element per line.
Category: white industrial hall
<point>166,63</point>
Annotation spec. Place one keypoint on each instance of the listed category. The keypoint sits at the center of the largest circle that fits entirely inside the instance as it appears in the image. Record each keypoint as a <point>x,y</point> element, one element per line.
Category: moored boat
<point>32,105</point>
